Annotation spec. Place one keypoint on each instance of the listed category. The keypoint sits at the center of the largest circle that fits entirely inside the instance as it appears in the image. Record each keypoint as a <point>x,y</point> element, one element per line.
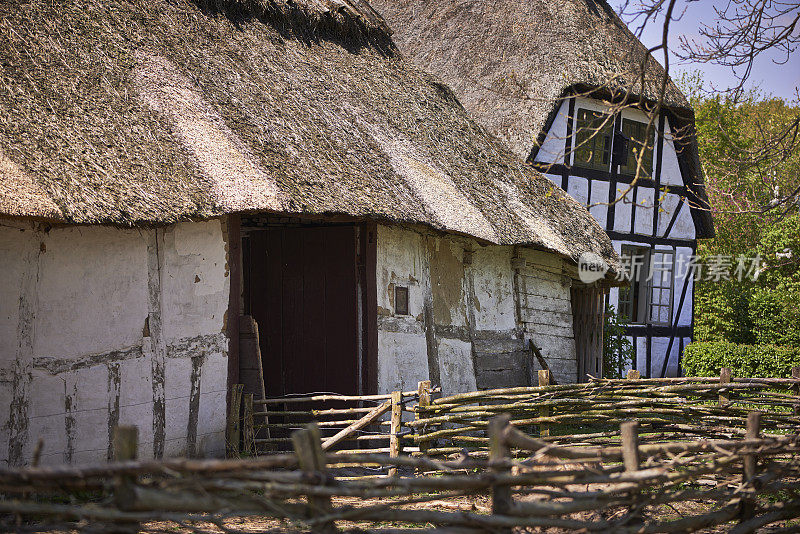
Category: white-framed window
<point>662,284</point>
<point>648,299</point>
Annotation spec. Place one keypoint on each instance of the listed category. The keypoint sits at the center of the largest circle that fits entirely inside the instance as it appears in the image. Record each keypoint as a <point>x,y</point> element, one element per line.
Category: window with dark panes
<point>593,139</point>
<point>400,300</point>
<point>633,298</point>
<point>636,131</point>
<point>648,298</point>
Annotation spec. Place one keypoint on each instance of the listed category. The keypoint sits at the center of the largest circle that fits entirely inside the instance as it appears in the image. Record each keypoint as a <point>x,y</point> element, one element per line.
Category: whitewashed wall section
<point>462,330</point>
<point>102,326</point>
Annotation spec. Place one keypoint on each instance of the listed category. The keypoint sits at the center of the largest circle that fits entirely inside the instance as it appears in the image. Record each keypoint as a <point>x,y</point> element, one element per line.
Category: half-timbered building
<point>173,173</point>
<point>572,90</point>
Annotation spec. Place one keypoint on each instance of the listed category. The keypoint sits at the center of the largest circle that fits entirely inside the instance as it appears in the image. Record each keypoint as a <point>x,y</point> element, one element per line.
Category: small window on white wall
<point>662,268</point>
<point>400,300</point>
<point>648,298</point>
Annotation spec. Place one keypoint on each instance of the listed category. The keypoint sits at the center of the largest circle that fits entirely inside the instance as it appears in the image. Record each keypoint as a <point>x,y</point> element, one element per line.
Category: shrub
<point>748,361</point>
<point>618,350</point>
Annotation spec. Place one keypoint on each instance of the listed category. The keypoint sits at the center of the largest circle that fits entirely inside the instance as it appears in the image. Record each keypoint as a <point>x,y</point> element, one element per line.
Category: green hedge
<point>748,361</point>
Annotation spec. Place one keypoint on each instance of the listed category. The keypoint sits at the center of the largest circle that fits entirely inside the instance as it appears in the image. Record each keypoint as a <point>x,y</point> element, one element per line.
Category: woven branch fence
<point>633,455</point>
<point>741,484</point>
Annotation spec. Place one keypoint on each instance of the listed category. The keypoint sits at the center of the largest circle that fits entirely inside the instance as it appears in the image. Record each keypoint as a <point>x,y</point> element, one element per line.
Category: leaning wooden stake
<point>233,431</point>
<point>396,426</point>
<point>499,453</point>
<point>248,427</point>
<point>724,378</point>
<point>544,380</point>
<point>311,458</point>
<point>796,390</point>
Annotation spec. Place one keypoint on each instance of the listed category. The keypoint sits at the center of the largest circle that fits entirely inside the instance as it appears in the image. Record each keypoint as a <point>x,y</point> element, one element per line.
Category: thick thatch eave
<point>149,112</point>
<point>512,62</point>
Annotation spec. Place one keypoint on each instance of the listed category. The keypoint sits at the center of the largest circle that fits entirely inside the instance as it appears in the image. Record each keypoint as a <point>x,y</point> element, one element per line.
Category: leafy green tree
<point>750,172</point>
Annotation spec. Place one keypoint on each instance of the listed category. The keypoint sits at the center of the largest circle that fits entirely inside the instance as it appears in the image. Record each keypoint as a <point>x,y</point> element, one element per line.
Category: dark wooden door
<point>588,307</point>
<point>304,295</point>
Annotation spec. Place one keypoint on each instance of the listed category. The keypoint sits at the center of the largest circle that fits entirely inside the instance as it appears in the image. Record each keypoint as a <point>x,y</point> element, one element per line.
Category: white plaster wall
<point>552,150</point>
<point>494,288</point>
<point>670,170</point>
<point>622,209</point>
<point>643,221</point>
<point>682,258</point>
<point>402,348</point>
<point>555,178</point>
<point>578,189</point>
<point>462,309</point>
<point>96,274</point>
<point>97,325</point>
<point>599,202</point>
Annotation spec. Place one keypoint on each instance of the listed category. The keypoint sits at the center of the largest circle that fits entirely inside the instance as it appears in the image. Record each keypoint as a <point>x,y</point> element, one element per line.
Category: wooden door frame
<point>367,265</point>
<point>234,257</point>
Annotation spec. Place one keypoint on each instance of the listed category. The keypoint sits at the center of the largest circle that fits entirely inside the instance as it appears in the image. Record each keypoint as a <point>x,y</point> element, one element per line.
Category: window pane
<point>593,139</point>
<point>636,131</point>
<point>662,267</point>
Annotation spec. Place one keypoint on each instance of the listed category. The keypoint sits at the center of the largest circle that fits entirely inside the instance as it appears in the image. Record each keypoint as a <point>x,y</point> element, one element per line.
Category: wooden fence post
<point>126,443</point>
<point>752,431</point>
<point>544,380</point>
<point>724,378</point>
<point>396,426</point>
<point>629,434</point>
<point>796,390</point>
<point>308,448</point>
<point>234,426</point>
<point>424,400</point>
<point>248,430</point>
<point>633,374</point>
<point>125,447</point>
<point>500,453</point>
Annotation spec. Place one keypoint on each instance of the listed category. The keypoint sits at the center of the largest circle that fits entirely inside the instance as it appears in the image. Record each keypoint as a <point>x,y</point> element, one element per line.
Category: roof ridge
<point>347,19</point>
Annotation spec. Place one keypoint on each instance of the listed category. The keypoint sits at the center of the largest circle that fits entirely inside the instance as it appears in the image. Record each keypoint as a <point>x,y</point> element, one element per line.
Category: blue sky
<point>778,80</point>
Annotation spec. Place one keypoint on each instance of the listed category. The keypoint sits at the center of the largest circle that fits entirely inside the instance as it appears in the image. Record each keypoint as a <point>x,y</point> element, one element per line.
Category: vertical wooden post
<point>248,426</point>
<point>308,448</point>
<point>544,380</point>
<point>498,454</point>
<point>724,378</point>
<point>629,434</point>
<point>234,427</point>
<point>125,447</point>
<point>752,431</point>
<point>633,374</point>
<point>796,390</point>
<point>394,429</point>
<point>424,400</point>
<point>126,443</point>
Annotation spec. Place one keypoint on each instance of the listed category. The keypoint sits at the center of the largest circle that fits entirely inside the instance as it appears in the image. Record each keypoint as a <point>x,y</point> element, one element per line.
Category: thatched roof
<point>510,62</point>
<point>149,111</point>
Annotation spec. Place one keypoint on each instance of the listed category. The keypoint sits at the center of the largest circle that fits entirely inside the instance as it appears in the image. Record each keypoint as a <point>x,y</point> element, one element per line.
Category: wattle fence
<point>663,455</point>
